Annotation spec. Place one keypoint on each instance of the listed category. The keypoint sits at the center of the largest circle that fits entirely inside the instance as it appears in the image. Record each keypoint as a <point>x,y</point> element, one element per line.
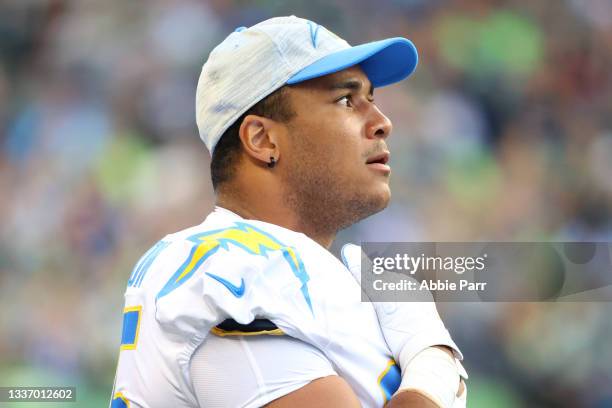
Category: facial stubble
<point>323,196</point>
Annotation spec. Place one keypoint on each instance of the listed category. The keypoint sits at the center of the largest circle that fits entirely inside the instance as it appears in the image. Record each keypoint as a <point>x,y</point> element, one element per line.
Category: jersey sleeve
<point>214,283</point>
<point>243,371</point>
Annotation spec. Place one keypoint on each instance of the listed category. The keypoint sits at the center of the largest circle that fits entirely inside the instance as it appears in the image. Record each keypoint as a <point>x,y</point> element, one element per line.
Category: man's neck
<point>274,212</point>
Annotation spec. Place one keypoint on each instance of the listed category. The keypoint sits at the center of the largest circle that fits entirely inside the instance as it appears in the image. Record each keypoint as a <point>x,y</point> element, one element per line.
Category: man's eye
<point>346,100</point>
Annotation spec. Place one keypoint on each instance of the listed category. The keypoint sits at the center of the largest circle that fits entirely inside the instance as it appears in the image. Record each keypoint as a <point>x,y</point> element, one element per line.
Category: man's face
<point>335,155</point>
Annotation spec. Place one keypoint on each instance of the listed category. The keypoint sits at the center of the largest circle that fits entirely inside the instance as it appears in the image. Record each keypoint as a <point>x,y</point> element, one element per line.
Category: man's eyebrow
<point>350,84</point>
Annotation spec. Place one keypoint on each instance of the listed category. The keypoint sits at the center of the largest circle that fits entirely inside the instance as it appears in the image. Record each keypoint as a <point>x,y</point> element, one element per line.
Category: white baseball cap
<point>253,62</point>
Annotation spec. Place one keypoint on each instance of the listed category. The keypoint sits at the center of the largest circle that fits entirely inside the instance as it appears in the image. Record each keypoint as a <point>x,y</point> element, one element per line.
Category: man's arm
<point>279,371</point>
<point>332,391</point>
<point>419,343</point>
<point>417,399</point>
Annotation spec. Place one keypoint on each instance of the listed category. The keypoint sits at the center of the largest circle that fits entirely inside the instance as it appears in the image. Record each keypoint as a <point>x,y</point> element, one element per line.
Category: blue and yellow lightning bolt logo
<point>244,236</point>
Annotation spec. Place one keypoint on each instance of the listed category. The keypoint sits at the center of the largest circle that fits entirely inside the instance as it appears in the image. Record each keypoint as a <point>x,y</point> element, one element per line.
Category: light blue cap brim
<point>384,62</point>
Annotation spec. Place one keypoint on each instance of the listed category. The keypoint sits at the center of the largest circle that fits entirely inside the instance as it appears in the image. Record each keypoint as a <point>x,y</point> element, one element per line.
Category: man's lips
<point>379,162</point>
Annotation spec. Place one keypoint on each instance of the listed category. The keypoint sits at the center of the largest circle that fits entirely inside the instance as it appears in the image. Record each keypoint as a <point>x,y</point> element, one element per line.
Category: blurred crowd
<point>503,134</point>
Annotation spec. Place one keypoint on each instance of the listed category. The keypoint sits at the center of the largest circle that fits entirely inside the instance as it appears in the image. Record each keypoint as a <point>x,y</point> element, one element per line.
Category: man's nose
<point>379,126</point>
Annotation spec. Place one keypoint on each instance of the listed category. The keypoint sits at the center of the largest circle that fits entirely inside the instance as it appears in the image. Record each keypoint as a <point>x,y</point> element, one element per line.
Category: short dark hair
<point>275,106</point>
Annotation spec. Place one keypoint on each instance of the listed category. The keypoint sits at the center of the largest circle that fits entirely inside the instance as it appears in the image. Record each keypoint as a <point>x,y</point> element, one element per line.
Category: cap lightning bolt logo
<point>243,236</point>
<point>314,32</point>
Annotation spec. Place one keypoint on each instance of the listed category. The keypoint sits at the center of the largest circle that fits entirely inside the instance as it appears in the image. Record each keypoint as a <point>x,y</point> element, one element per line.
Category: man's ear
<point>259,137</point>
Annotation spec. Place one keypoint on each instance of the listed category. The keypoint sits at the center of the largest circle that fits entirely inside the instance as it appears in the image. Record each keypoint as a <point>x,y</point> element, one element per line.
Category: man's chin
<point>384,202</point>
<point>374,204</point>
<point>385,196</point>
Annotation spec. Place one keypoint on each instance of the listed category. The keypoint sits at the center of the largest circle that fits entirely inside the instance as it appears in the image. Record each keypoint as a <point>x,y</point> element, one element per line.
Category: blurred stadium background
<point>504,133</point>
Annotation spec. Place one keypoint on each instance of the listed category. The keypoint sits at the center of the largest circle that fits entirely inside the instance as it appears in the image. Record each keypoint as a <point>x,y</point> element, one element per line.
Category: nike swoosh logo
<point>236,291</point>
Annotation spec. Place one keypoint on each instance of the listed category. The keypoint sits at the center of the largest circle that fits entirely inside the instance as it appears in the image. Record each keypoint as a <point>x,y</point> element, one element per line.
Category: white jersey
<point>231,268</point>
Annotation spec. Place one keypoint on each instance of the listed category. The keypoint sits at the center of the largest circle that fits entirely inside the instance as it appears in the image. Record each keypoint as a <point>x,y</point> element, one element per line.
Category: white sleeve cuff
<point>429,336</point>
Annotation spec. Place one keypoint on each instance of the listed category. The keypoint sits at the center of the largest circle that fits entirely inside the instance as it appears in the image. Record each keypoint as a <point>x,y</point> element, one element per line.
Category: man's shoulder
<point>229,247</point>
<point>234,269</point>
<point>233,259</point>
